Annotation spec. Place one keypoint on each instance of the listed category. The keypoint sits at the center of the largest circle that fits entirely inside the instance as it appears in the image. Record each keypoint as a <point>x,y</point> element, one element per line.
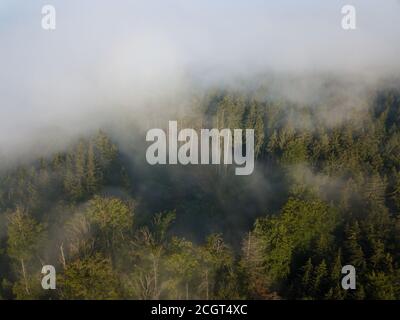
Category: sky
<point>116,56</point>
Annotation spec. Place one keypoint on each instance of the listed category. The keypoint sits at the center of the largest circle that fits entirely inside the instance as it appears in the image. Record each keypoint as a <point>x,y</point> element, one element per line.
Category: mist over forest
<point>77,192</point>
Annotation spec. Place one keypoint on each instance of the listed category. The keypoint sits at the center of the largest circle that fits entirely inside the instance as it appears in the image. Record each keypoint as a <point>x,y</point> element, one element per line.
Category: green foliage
<point>290,233</point>
<point>25,235</point>
<point>25,239</point>
<point>92,278</point>
<point>333,188</point>
<point>112,216</point>
<point>182,268</point>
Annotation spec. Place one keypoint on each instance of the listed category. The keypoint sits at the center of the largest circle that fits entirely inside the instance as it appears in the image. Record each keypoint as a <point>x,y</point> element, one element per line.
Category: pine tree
<point>336,291</point>
<point>320,280</point>
<point>307,280</point>
<point>92,171</point>
<point>353,251</point>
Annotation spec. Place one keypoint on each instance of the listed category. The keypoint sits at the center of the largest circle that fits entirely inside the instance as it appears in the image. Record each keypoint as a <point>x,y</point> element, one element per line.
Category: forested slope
<point>322,196</point>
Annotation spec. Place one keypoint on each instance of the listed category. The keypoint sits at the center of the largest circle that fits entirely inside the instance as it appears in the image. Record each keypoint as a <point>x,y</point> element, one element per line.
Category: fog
<point>108,60</point>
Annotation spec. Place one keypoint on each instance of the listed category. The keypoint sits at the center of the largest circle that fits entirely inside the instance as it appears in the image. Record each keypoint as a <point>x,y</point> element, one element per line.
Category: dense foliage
<point>322,196</point>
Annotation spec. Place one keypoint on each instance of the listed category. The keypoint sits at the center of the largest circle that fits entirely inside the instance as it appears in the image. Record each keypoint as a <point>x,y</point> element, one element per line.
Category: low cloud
<point>129,58</point>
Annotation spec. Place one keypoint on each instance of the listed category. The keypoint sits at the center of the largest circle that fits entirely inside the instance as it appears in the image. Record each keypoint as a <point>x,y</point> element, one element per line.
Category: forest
<point>322,195</point>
